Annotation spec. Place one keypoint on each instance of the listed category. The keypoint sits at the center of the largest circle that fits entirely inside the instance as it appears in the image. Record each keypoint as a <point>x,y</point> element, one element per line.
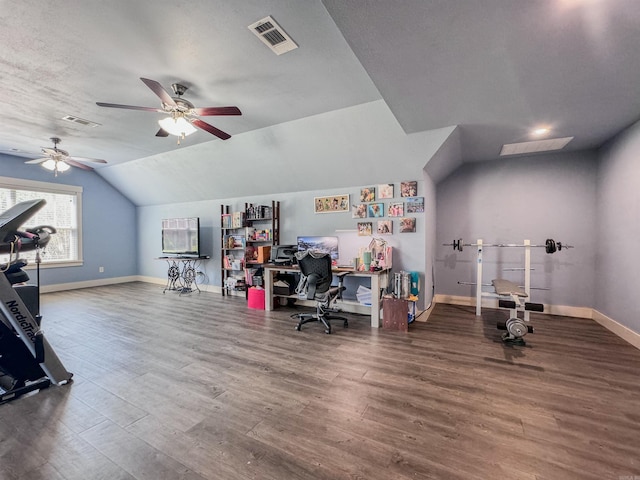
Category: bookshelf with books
<point>232,225</point>
<point>246,241</point>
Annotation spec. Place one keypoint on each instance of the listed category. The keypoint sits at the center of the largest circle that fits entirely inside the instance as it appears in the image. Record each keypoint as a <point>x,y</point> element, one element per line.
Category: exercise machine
<point>27,360</point>
<point>509,294</point>
<point>513,297</point>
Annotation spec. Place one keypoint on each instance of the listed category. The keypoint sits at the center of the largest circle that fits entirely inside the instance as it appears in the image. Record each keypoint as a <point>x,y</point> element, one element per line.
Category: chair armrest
<point>341,276</point>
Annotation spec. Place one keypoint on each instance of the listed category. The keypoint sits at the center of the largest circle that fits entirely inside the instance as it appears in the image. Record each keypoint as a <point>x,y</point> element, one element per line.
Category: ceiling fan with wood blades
<point>181,118</point>
<point>58,160</point>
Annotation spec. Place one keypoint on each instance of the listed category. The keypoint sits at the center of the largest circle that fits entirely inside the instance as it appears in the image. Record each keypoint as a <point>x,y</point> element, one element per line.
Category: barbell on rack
<point>550,245</point>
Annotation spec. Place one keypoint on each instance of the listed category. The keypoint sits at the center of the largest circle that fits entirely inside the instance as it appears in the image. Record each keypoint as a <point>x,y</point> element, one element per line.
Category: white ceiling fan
<point>58,160</point>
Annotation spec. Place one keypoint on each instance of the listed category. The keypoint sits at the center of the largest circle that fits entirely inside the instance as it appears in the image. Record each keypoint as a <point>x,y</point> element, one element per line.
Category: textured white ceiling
<point>495,68</point>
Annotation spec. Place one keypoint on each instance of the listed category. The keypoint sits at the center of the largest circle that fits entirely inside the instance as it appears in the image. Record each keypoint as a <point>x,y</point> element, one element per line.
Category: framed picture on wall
<point>409,189</point>
<point>359,211</point>
<point>415,204</point>
<point>376,210</point>
<point>407,225</point>
<point>385,227</point>
<point>365,228</point>
<point>368,194</point>
<point>385,190</point>
<point>331,204</point>
<point>396,209</point>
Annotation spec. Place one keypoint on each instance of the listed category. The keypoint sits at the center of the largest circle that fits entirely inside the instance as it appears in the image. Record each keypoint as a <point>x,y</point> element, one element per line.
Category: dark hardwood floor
<point>199,387</point>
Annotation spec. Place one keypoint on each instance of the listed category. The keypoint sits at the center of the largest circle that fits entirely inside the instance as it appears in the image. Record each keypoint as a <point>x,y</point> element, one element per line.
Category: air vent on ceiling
<point>81,121</point>
<point>534,146</point>
<point>273,36</point>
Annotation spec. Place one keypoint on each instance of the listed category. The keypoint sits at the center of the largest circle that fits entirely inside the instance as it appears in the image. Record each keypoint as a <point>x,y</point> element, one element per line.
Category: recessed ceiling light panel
<point>535,146</point>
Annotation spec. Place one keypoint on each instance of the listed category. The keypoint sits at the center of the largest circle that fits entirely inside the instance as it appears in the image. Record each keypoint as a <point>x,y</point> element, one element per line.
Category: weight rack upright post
<point>527,275</point>
<point>479,279</point>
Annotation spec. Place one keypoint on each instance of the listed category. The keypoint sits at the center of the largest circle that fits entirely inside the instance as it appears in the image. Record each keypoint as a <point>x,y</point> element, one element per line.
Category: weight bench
<point>515,327</point>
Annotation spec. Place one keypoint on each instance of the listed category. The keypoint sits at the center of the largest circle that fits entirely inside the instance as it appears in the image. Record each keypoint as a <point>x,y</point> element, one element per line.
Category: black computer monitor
<point>319,244</point>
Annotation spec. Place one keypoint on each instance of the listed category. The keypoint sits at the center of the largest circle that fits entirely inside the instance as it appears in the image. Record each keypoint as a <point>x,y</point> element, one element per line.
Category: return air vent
<point>534,146</point>
<point>273,36</point>
<point>81,121</point>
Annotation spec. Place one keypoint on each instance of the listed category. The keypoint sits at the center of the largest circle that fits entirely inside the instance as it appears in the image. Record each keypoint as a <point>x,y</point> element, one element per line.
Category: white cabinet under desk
<point>379,280</point>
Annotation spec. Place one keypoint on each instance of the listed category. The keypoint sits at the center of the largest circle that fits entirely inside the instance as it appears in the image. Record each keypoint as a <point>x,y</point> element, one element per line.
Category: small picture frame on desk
<point>331,204</point>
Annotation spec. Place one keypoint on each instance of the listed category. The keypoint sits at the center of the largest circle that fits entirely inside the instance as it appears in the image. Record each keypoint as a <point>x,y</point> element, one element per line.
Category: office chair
<point>316,268</point>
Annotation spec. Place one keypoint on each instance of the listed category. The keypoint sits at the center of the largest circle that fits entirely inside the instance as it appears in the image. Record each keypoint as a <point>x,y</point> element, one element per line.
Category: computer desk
<point>379,279</point>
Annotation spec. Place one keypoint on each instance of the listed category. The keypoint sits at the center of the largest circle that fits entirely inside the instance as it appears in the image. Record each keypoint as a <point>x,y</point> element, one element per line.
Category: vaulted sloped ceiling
<point>494,68</point>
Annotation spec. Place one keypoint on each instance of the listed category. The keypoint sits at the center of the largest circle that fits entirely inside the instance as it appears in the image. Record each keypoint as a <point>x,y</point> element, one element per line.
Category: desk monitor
<point>319,244</point>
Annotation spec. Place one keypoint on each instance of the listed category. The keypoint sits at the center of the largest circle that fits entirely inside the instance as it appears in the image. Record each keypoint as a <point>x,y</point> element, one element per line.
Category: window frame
<point>55,188</point>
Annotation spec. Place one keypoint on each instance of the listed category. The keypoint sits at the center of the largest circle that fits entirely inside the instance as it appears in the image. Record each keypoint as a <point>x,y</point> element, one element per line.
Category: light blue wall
<point>297,218</point>
<point>109,224</point>
<point>444,161</point>
<point>508,201</point>
<point>618,255</point>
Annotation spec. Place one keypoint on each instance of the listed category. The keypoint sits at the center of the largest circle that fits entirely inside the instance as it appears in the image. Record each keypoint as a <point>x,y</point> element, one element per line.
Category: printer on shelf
<point>283,254</point>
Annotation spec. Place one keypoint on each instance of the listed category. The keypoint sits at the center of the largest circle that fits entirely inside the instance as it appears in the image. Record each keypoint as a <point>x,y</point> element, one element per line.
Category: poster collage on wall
<point>379,202</point>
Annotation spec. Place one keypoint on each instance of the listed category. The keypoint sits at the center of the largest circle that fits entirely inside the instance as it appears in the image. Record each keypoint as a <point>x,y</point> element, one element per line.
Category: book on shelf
<point>259,212</point>
<point>232,263</point>
<point>234,241</point>
<point>233,220</point>
<point>255,235</point>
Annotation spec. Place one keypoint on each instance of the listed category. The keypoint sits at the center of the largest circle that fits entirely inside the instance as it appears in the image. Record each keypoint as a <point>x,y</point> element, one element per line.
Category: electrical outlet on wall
<point>101,269</point>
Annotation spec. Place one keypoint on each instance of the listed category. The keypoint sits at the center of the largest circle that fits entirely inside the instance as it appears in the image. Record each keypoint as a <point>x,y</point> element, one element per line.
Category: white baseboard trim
<point>567,311</point>
<point>620,330</point>
<point>578,312</point>
<point>59,287</point>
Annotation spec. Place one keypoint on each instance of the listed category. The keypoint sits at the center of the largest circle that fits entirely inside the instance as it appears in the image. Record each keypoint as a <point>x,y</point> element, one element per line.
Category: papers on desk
<point>363,294</point>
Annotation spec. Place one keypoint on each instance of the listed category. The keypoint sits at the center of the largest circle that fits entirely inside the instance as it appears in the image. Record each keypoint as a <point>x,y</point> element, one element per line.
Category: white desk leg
<point>268,289</point>
<point>375,301</point>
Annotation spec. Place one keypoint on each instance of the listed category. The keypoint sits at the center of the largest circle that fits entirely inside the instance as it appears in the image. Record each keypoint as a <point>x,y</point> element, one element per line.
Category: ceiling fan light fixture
<point>178,126</point>
<point>55,166</point>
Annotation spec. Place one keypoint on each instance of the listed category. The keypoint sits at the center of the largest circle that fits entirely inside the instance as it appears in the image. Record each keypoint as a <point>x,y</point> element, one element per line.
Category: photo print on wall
<point>407,225</point>
<point>396,209</point>
<point>409,189</point>
<point>368,194</point>
<point>359,211</point>
<point>415,205</point>
<point>364,228</point>
<point>385,190</point>
<point>331,204</point>
<point>385,227</point>
<point>376,210</point>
